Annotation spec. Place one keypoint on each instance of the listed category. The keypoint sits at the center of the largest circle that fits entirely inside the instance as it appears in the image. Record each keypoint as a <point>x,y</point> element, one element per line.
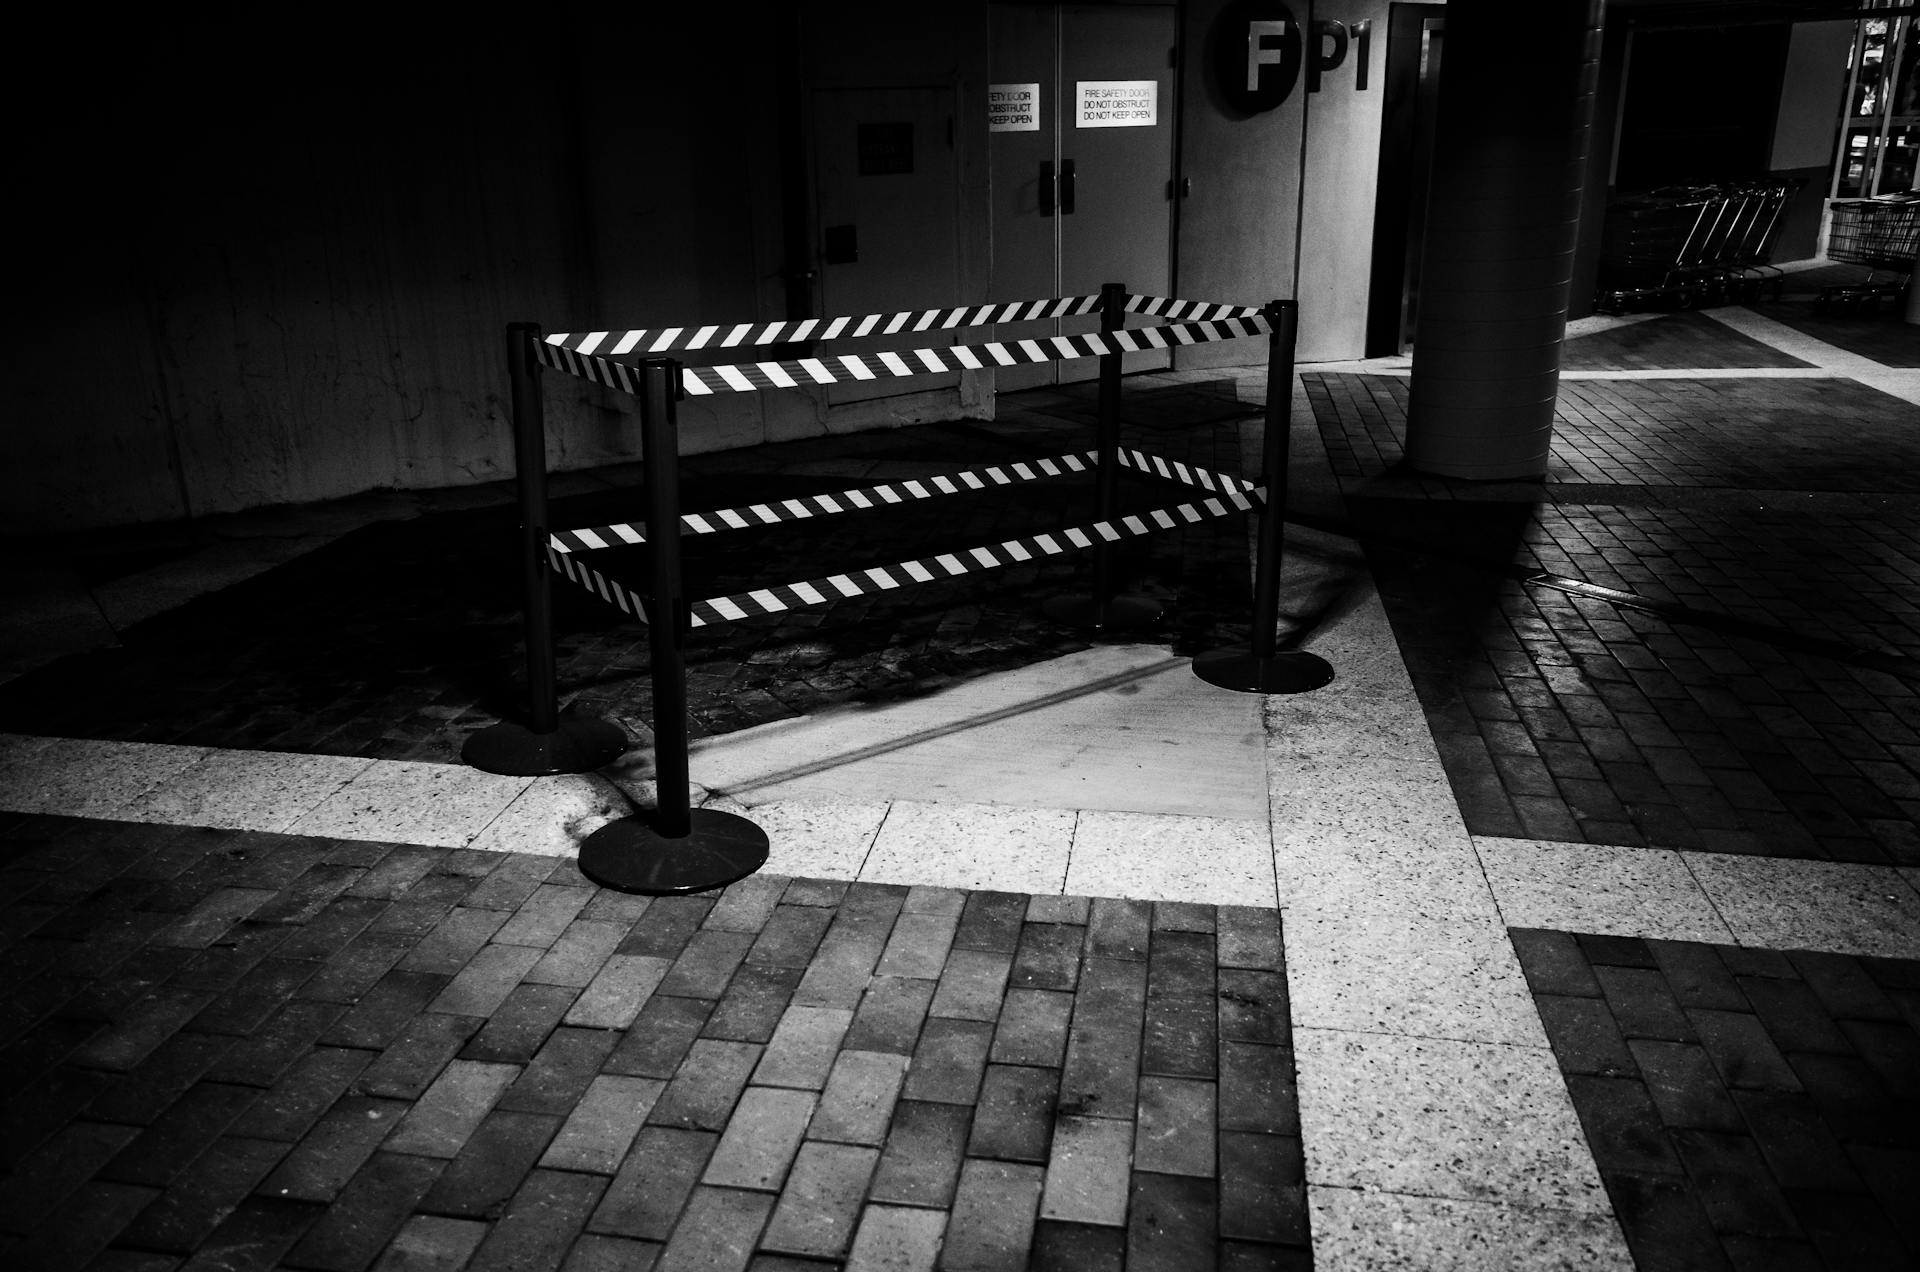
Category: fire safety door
<point>1081,139</point>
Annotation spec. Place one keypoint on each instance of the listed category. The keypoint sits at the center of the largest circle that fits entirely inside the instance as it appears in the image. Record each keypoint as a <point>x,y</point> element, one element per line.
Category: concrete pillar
<point>1517,85</point>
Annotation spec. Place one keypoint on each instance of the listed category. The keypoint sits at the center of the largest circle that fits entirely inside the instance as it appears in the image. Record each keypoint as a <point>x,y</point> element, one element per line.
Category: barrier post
<point>1264,667</point>
<point>678,848</point>
<point>1102,610</point>
<point>547,743</point>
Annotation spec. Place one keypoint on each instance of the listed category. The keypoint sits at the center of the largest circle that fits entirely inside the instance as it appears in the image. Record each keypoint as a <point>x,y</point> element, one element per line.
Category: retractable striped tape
<point>749,377</point>
<point>1185,474</point>
<point>788,596</point>
<point>615,344</point>
<point>1186,310</point>
<point>634,533</point>
<point>767,514</point>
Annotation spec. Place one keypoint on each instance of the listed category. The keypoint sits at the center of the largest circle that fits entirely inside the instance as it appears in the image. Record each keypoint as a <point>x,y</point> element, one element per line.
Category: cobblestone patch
<point>1747,1108</point>
<point>395,1056</point>
<point>401,639</point>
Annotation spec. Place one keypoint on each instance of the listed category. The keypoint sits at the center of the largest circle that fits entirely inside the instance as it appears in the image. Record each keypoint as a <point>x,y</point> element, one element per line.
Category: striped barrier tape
<point>748,377</point>
<point>1186,475</point>
<point>782,597</point>
<point>631,533</point>
<point>608,590</point>
<point>634,533</point>
<point>615,344</point>
<point>1190,310</point>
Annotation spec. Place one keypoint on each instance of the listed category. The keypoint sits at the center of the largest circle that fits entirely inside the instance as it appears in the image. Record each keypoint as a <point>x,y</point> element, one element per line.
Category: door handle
<point>1046,187</point>
<point>1066,187</point>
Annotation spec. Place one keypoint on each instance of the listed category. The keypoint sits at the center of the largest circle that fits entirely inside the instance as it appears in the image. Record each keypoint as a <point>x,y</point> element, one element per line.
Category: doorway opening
<point>1083,181</point>
<point>1415,41</point>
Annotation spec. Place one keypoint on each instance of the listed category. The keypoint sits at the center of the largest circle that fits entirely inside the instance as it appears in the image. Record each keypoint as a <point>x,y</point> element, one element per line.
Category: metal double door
<point>1083,180</point>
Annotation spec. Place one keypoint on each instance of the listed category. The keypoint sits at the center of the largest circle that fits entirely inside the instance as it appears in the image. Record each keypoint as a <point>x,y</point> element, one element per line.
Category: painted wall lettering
<point>1259,48</point>
<point>1256,51</point>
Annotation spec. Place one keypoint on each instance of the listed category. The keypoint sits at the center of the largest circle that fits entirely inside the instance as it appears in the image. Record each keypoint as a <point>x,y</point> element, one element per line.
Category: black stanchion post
<point>1263,667</point>
<point>547,743</point>
<point>678,848</point>
<point>667,616</point>
<point>1102,610</point>
<point>1113,316</point>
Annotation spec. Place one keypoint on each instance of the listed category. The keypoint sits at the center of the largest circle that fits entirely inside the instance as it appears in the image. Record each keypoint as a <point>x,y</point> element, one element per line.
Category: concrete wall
<point>278,271</point>
<point>1343,157</point>
<point>268,271</point>
<point>1234,237</point>
<point>1257,190</point>
<point>1812,92</point>
<point>868,44</point>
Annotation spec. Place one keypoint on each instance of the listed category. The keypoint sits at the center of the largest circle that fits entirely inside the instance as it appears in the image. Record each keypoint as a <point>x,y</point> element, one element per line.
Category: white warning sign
<point>1116,104</point>
<point>1013,108</point>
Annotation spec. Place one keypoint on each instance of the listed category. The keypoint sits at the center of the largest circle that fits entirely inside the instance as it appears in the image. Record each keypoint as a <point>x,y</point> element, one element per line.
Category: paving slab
<point>1590,888</point>
<point>1441,1118</point>
<point>1398,974</point>
<point>1355,1228</point>
<point>978,846</point>
<point>1210,860</point>
<point>1115,727</point>
<point>423,803</point>
<point>1848,909</point>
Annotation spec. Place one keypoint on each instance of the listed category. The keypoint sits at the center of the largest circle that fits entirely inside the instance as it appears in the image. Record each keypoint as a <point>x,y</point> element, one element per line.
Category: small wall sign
<point>1013,108</point>
<point>885,149</point>
<point>1116,103</point>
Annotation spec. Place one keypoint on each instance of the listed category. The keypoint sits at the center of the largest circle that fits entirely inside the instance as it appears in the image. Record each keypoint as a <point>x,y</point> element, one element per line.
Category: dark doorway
<point>1414,40</point>
<point>1700,106</point>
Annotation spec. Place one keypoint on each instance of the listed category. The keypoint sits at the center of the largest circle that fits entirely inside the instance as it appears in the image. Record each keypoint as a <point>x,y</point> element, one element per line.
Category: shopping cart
<point>1684,246</point>
<point>1754,223</point>
<point>1883,234</point>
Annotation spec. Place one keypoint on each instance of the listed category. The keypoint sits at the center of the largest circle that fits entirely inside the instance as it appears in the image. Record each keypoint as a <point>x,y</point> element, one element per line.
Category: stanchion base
<point>1290,671</point>
<point>1121,614</point>
<point>629,855</point>
<point>580,745</point>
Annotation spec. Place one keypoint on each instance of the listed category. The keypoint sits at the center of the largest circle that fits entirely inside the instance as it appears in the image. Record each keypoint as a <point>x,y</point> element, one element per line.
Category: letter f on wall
<point>1259,55</point>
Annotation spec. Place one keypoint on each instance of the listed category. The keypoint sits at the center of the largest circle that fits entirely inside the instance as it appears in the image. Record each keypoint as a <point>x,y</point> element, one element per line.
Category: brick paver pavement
<point>1757,694</point>
<point>1747,1108</point>
<point>239,1050</point>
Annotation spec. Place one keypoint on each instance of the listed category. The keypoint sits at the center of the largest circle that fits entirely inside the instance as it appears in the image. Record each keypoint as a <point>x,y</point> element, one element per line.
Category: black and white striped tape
<point>882,578</point>
<point>634,533</point>
<point>1187,310</point>
<point>631,533</point>
<point>774,600</point>
<point>1186,475</point>
<point>748,377</point>
<point>646,342</point>
<point>608,590</point>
